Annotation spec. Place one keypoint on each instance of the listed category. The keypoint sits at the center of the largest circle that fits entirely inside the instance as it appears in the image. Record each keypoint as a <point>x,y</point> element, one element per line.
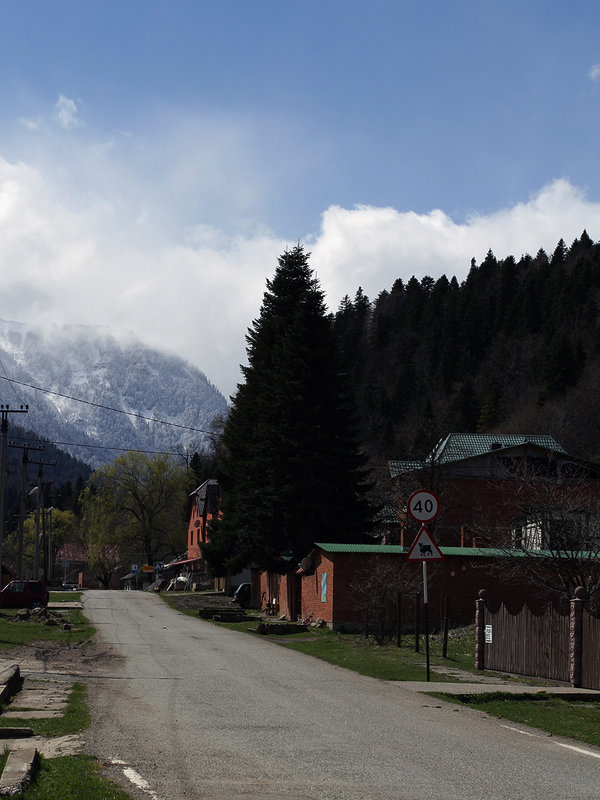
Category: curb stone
<point>18,770</point>
<point>10,681</point>
<point>23,756</point>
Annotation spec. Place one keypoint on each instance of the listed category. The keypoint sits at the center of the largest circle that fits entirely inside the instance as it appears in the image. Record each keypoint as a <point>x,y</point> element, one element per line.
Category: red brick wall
<point>197,534</point>
<point>473,509</point>
<point>457,577</point>
<point>311,590</point>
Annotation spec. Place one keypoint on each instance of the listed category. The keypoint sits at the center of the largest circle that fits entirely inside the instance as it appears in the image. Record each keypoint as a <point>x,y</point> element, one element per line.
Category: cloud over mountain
<point>97,395</point>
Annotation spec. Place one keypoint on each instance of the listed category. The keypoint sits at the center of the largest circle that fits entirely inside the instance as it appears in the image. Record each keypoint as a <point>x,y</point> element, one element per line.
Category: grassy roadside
<point>553,715</point>
<point>76,717</point>
<point>76,777</point>
<point>71,778</point>
<point>385,661</point>
<point>48,627</point>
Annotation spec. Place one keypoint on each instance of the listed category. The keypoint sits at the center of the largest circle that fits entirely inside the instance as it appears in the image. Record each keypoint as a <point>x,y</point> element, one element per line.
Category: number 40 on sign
<point>423,506</point>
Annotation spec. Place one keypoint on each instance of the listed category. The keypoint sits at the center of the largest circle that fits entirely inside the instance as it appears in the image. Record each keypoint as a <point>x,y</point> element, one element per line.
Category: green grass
<point>71,778</point>
<point>75,718</point>
<point>15,631</point>
<point>385,661</point>
<point>65,597</point>
<point>554,715</point>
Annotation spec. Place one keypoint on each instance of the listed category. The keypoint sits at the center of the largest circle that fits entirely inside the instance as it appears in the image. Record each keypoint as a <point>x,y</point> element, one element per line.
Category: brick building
<point>492,488</point>
<point>495,492</point>
<point>203,506</point>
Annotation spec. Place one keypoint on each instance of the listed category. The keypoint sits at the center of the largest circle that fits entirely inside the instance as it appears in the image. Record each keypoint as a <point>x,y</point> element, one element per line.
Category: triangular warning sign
<point>424,548</point>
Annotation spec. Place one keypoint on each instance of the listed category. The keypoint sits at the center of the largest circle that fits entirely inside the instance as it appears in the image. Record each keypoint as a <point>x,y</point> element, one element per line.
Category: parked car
<point>69,587</point>
<point>24,594</point>
<point>242,595</point>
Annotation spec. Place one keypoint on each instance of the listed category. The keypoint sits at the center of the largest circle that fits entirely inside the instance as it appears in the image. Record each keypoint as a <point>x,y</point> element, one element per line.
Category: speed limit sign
<point>423,506</point>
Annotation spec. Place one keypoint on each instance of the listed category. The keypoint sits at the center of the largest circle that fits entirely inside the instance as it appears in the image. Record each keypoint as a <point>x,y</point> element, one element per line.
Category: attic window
<point>496,446</point>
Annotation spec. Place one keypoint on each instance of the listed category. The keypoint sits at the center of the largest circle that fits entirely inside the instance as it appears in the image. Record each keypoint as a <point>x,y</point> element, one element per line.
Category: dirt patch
<point>195,602</point>
<point>81,659</point>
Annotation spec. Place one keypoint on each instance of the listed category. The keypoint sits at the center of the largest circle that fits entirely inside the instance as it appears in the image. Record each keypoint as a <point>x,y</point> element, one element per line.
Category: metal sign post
<point>425,619</point>
<point>424,507</point>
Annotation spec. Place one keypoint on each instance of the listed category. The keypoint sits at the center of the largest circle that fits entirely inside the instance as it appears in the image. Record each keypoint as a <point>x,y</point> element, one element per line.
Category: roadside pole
<point>424,507</point>
<point>5,410</point>
<point>425,620</point>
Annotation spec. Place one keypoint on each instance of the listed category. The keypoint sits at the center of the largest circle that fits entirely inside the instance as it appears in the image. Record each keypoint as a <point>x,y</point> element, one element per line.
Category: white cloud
<point>31,124</point>
<point>595,72</point>
<point>371,247</point>
<point>102,257</point>
<point>65,111</point>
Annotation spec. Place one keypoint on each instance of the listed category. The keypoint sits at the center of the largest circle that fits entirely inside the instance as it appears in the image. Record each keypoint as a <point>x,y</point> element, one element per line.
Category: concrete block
<point>18,770</point>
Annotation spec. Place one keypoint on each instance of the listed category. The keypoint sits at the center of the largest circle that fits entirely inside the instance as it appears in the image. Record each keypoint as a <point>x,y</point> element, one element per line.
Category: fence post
<point>445,624</point>
<point>399,619</point>
<point>576,635</point>
<point>417,621</point>
<point>480,629</point>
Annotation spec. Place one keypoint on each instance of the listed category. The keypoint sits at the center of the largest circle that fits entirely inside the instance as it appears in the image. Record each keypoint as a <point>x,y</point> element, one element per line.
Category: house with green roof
<point>503,498</point>
<point>491,484</point>
<point>358,587</point>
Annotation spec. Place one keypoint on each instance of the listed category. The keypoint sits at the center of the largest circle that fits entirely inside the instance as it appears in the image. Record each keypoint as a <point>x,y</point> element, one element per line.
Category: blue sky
<point>156,157</point>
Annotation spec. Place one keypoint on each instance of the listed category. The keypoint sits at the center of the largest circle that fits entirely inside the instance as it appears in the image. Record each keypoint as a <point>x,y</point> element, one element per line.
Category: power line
<point>106,408</point>
<point>10,382</point>
<point>119,449</point>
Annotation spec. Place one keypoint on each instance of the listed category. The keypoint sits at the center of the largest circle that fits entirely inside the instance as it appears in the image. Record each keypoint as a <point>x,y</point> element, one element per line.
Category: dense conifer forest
<point>513,348</point>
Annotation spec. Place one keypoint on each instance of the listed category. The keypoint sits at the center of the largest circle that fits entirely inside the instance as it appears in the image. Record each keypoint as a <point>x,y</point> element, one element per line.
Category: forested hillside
<point>513,348</point>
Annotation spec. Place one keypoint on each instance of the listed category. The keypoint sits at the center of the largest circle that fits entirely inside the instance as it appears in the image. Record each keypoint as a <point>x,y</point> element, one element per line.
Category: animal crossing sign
<point>424,548</point>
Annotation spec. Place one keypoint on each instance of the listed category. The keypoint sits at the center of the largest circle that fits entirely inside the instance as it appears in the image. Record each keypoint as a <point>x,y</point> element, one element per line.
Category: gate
<point>552,645</point>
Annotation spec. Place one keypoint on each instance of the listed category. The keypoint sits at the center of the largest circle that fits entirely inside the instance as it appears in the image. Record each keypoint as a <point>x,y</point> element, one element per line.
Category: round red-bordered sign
<point>423,506</point>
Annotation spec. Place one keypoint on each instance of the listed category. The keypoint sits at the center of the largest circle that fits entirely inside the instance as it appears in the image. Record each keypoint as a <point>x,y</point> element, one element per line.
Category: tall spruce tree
<point>291,471</point>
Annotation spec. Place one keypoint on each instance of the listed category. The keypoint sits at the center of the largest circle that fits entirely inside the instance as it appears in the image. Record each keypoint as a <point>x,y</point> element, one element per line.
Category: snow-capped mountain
<point>77,363</point>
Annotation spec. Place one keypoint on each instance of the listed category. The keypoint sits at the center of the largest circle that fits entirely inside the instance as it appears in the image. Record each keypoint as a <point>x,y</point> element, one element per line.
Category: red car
<point>24,594</point>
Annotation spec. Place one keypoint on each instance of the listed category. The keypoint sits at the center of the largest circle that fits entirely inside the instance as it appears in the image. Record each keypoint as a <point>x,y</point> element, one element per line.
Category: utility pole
<point>42,537</point>
<point>25,447</point>
<point>49,556</point>
<point>5,410</point>
<point>40,502</point>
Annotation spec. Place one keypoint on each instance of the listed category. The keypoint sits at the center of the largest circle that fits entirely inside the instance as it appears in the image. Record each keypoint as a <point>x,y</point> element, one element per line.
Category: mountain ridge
<point>95,394</point>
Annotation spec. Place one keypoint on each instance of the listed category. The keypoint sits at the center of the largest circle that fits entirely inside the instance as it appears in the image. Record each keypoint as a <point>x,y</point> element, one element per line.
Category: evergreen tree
<point>291,471</point>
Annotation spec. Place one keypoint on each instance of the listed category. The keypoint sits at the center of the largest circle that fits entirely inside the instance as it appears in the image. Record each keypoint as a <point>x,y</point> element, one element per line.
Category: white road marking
<point>581,750</point>
<point>138,781</point>
<point>135,778</point>
<point>518,730</point>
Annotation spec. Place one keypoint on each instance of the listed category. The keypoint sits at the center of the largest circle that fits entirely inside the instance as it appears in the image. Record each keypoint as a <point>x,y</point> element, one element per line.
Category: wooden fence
<point>553,645</point>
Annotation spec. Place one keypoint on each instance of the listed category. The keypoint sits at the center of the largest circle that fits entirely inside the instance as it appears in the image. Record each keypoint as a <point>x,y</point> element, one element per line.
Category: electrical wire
<point>100,405</point>
<point>20,399</point>
<point>108,447</point>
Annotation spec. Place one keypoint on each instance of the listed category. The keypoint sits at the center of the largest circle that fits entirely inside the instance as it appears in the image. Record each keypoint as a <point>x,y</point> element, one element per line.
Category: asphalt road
<point>197,711</point>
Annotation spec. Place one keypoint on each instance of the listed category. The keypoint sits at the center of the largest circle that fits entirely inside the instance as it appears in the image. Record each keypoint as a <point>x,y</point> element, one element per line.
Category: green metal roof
<point>462,446</point>
<point>395,549</point>
<point>489,552</point>
<point>458,446</point>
